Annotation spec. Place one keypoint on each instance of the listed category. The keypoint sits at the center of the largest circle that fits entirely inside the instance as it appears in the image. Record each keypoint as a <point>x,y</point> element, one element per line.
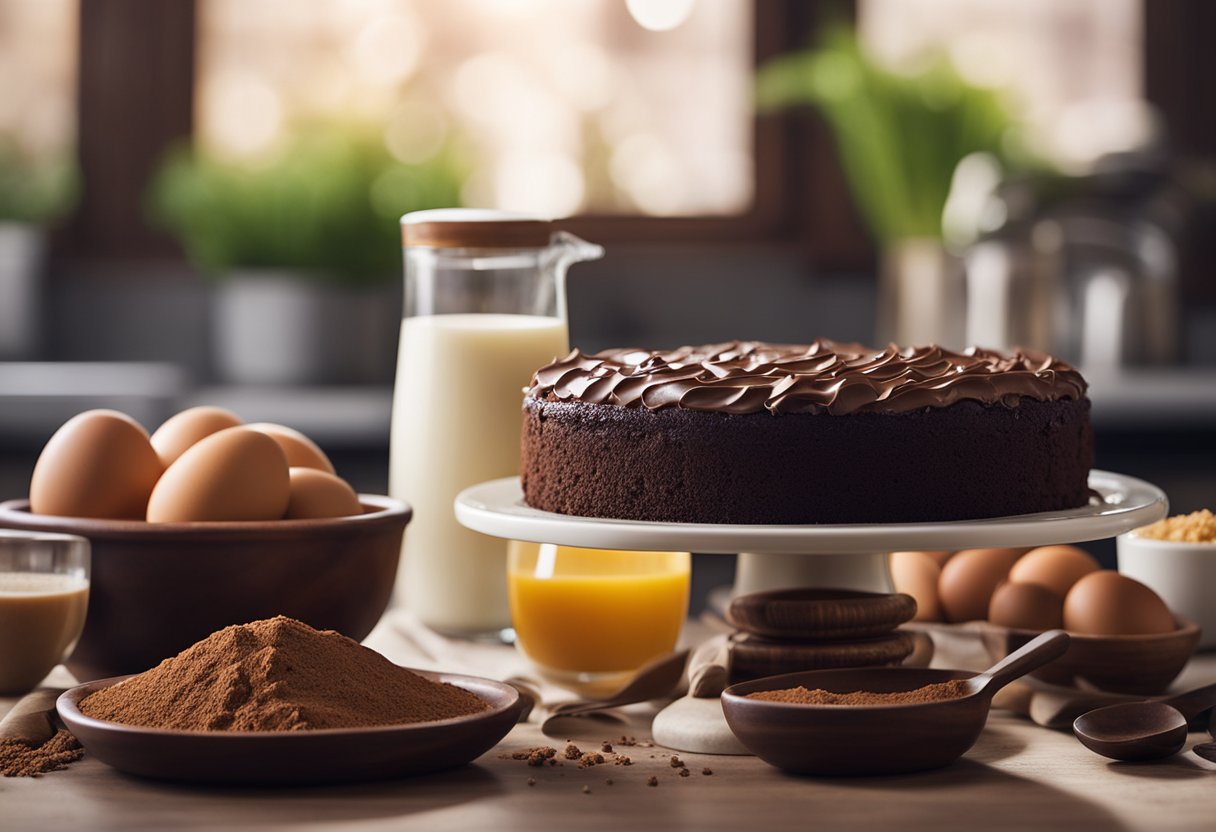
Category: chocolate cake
<point>748,432</point>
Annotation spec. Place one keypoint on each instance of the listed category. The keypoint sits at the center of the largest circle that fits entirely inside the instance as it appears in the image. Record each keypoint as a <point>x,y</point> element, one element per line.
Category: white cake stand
<point>845,556</point>
<point>772,557</point>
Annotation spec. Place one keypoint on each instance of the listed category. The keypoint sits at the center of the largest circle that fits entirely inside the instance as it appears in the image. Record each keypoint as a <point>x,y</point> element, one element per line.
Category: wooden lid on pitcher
<point>474,228</point>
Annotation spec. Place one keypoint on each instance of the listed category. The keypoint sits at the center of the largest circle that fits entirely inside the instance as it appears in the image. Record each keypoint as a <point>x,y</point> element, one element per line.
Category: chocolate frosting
<point>825,376</point>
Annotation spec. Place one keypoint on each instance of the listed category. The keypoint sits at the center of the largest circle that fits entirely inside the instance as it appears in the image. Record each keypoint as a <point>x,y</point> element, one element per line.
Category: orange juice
<point>595,611</point>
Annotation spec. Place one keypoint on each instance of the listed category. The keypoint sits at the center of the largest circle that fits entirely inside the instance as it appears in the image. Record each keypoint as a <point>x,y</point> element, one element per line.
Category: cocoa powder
<point>940,692</point>
<point>277,675</point>
<point>20,759</point>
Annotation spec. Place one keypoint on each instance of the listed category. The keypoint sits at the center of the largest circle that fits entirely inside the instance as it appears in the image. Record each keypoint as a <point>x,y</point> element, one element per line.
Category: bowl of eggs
<point>208,522</point>
<point>1124,637</point>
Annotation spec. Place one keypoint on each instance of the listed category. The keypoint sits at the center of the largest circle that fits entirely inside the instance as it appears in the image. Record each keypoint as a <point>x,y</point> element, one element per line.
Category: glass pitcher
<point>485,306</point>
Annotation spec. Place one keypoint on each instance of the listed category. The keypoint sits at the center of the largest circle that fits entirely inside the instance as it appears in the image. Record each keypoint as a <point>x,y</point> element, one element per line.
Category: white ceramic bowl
<point>1183,574</point>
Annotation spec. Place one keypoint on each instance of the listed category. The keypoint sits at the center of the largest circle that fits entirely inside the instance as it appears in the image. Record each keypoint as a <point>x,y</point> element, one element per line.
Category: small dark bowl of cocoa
<point>875,720</point>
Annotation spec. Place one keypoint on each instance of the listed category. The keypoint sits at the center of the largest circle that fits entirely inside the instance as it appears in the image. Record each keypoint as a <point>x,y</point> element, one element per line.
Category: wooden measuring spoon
<point>1143,730</point>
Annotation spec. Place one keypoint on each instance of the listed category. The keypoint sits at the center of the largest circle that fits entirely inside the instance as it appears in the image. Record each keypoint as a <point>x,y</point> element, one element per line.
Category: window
<point>38,65</point>
<point>557,108</point>
<point>1074,70</point>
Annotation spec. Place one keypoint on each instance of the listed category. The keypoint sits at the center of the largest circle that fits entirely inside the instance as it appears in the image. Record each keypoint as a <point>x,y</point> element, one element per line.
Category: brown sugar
<point>277,675</point>
<point>19,759</point>
<point>940,692</point>
<point>1196,527</point>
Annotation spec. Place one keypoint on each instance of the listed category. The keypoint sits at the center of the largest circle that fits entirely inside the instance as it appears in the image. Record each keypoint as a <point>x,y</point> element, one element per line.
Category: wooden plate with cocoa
<point>299,757</point>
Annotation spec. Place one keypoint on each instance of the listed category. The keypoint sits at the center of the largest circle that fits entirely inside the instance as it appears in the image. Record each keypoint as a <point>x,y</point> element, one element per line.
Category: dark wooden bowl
<point>810,614</point>
<point>834,740</point>
<point>158,588</point>
<point>1118,664</point>
<point>293,758</point>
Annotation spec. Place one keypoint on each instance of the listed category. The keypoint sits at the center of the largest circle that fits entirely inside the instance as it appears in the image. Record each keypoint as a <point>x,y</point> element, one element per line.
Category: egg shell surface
<point>1106,603</point>
<point>917,574</point>
<point>1026,607</point>
<point>317,494</point>
<point>301,451</point>
<point>1055,567</point>
<point>968,580</point>
<point>236,474</point>
<point>99,464</point>
<point>184,429</point>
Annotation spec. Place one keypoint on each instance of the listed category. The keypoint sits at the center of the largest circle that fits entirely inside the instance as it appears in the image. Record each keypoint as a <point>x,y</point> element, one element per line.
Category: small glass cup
<point>588,618</point>
<point>44,596</point>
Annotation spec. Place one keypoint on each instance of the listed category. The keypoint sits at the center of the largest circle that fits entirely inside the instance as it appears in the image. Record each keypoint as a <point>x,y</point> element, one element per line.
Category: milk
<point>456,422</point>
<point>41,617</point>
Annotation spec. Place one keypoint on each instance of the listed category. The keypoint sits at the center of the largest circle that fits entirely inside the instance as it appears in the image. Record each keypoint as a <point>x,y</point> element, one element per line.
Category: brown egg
<point>917,573</point>
<point>1106,603</point>
<point>1055,567</point>
<point>301,451</point>
<point>98,464</point>
<point>181,431</point>
<point>1026,607</point>
<point>318,494</point>
<point>236,474</point>
<point>969,578</point>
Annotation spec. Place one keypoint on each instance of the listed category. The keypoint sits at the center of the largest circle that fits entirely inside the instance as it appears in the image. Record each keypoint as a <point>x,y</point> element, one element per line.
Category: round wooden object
<point>819,614</point>
<point>752,657</point>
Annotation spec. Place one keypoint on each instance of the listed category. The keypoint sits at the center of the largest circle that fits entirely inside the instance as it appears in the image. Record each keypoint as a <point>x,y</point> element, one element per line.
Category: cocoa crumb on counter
<point>627,741</point>
<point>684,772</point>
<point>534,756</point>
<point>586,790</point>
<point>707,772</point>
<point>17,759</point>
<point>676,762</point>
<point>531,781</point>
<point>653,781</point>
<point>606,747</point>
<point>572,752</point>
<point>591,758</point>
<point>622,760</point>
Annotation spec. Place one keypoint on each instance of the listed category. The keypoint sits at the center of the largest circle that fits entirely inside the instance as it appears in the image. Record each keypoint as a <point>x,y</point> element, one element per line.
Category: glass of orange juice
<point>588,618</point>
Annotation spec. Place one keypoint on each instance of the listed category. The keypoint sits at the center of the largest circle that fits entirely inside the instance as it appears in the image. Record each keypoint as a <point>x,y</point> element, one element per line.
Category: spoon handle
<point>1031,656</point>
<point>1194,702</point>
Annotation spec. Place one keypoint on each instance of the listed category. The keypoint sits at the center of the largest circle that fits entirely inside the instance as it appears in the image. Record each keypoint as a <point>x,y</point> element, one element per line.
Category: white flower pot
<point>283,327</point>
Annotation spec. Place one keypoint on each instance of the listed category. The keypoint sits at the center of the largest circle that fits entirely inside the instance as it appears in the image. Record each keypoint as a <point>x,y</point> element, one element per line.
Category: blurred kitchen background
<point>198,198</point>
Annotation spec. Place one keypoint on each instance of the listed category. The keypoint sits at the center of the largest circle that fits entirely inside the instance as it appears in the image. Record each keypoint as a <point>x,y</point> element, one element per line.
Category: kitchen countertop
<point>1018,776</point>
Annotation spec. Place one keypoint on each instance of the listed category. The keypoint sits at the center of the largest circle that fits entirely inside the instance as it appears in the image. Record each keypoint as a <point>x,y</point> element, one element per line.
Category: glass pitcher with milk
<point>485,306</point>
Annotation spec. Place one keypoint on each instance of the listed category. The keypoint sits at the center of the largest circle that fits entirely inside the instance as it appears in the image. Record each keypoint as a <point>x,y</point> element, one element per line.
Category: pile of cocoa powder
<point>940,692</point>
<point>277,675</point>
<point>22,759</point>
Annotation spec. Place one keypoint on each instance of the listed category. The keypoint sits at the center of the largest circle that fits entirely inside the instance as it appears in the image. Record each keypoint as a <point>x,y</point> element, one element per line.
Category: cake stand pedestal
<point>844,556</point>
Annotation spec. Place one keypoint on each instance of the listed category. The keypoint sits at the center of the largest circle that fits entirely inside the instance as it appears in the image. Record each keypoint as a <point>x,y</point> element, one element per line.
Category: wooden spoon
<point>1142,730</point>
<point>655,679</point>
<point>1206,750</point>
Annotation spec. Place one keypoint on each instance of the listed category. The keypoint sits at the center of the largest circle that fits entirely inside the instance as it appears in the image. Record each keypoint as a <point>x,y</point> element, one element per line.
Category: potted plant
<point>900,138</point>
<point>304,249</point>
<point>33,192</point>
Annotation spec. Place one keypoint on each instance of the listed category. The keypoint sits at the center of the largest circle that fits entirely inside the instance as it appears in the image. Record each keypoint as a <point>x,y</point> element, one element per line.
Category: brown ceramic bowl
<point>297,757</point>
<point>157,588</point>
<point>1118,664</point>
<point>852,741</point>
